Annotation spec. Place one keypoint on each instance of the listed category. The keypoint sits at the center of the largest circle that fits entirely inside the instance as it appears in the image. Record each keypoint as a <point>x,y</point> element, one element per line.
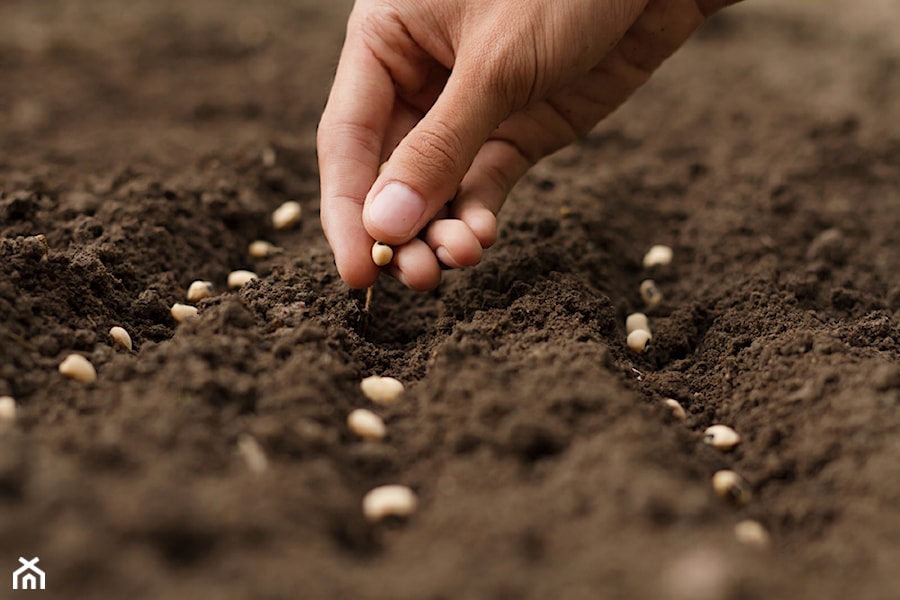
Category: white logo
<point>28,575</point>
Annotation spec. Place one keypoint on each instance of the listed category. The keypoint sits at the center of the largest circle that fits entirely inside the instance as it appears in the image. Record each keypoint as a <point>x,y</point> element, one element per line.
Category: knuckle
<point>437,150</point>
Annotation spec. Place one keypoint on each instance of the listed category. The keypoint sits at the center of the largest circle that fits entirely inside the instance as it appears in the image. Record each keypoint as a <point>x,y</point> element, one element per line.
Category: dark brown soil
<point>767,154</point>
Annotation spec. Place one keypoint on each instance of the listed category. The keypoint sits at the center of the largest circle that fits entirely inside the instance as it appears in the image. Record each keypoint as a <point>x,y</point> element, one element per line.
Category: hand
<point>461,97</point>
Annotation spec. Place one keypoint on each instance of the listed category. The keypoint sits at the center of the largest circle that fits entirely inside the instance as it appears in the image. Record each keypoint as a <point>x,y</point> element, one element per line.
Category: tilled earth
<point>138,138</point>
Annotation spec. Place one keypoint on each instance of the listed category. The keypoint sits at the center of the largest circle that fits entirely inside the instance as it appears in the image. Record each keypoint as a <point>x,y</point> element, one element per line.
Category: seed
<point>253,453</point>
<point>199,290</point>
<point>268,157</point>
<point>121,338</point>
<point>382,253</point>
<point>182,312</point>
<point>658,256</point>
<point>638,340</point>
<point>239,278</point>
<point>287,215</point>
<point>752,533</point>
<point>730,486</point>
<point>381,167</point>
<point>650,293</point>
<point>636,321</point>
<point>722,437</point>
<point>367,425</point>
<point>262,249</point>
<point>7,408</point>
<point>389,501</point>
<point>676,408</point>
<point>77,367</point>
<point>381,390</point>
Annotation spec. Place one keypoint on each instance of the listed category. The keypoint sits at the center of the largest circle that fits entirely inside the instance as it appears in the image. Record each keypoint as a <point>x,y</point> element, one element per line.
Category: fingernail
<point>445,261</point>
<point>395,210</point>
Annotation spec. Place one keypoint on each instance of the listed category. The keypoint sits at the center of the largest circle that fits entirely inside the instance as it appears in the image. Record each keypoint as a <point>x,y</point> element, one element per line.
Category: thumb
<point>425,169</point>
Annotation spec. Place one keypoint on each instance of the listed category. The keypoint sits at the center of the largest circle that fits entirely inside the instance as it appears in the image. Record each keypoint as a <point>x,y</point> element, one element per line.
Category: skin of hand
<point>461,97</point>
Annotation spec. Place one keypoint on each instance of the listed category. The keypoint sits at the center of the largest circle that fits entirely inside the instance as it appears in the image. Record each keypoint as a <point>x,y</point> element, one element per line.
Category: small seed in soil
<point>658,256</point>
<point>676,408</point>
<point>752,533</point>
<point>389,501</point>
<point>269,157</point>
<point>77,367</point>
<point>650,293</point>
<point>239,278</point>
<point>367,425</point>
<point>7,408</point>
<point>252,453</point>
<point>381,390</point>
<point>730,486</point>
<point>287,215</point>
<point>382,254</point>
<point>636,321</point>
<point>262,249</point>
<point>199,290</point>
<point>182,312</point>
<point>639,340</point>
<point>722,437</point>
<point>121,337</point>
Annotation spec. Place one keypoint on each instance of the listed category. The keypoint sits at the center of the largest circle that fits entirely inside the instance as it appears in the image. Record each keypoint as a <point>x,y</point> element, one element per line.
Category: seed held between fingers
<point>77,367</point>
<point>7,408</point>
<point>650,293</point>
<point>722,437</point>
<point>638,340</point>
<point>658,256</point>
<point>381,390</point>
<point>121,337</point>
<point>199,290</point>
<point>382,254</point>
<point>239,278</point>
<point>389,501</point>
<point>730,486</point>
<point>182,312</point>
<point>366,425</point>
<point>287,215</point>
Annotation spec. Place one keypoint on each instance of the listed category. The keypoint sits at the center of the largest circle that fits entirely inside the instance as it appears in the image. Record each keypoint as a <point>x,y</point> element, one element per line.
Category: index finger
<point>349,141</point>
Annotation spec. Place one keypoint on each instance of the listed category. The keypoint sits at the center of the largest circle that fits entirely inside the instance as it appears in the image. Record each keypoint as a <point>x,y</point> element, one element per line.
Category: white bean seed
<point>722,437</point>
<point>638,340</point>
<point>253,454</point>
<point>382,254</point>
<point>287,215</point>
<point>650,293</point>
<point>636,321</point>
<point>752,533</point>
<point>658,256</point>
<point>199,290</point>
<point>367,425</point>
<point>7,408</point>
<point>182,312</point>
<point>730,486</point>
<point>389,501</point>
<point>269,157</point>
<point>239,278</point>
<point>77,367</point>
<point>381,390</point>
<point>676,408</point>
<point>262,249</point>
<point>121,337</point>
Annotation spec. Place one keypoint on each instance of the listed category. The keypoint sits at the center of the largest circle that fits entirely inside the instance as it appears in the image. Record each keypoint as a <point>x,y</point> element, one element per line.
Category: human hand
<point>461,97</point>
